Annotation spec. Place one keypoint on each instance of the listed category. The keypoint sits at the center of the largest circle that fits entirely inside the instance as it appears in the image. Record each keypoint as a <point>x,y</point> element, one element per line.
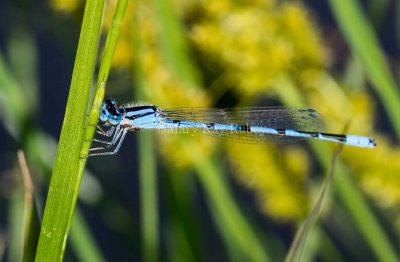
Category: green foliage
<point>299,242</point>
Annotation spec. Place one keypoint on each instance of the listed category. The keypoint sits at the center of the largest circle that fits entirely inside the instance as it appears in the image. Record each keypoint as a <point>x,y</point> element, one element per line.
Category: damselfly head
<point>109,114</point>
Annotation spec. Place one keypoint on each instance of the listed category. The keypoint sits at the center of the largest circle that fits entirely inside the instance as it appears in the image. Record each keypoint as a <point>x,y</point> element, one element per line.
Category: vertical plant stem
<point>102,80</point>
<point>148,196</point>
<point>297,247</point>
<point>65,180</point>
<point>31,221</point>
<point>173,43</point>
<point>363,217</point>
<point>147,164</point>
<point>15,220</point>
<point>236,226</point>
<point>81,240</point>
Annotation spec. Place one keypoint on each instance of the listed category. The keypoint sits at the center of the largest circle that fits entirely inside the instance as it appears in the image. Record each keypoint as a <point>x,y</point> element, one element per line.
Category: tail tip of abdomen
<point>360,141</point>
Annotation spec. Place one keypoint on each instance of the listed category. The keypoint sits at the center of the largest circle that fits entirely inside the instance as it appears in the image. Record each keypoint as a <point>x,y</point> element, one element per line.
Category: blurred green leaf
<point>233,225</point>
<point>297,247</point>
<point>31,224</point>
<point>82,241</point>
<point>173,43</point>
<point>147,163</point>
<point>363,42</point>
<point>13,109</point>
<point>148,197</point>
<point>15,220</point>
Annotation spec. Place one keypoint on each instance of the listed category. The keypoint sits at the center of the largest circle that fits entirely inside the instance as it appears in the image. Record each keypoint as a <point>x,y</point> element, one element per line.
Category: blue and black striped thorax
<point>110,114</point>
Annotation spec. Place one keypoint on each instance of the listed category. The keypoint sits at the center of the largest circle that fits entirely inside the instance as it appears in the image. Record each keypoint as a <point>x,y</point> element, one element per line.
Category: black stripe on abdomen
<point>245,128</point>
<point>281,131</point>
<point>335,136</point>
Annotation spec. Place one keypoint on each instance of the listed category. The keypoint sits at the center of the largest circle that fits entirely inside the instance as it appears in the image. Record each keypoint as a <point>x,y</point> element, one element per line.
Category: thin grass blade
<point>296,249</point>
<point>65,180</point>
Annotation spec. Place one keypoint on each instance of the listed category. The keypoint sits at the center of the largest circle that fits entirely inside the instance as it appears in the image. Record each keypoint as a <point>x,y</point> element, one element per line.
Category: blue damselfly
<point>246,125</point>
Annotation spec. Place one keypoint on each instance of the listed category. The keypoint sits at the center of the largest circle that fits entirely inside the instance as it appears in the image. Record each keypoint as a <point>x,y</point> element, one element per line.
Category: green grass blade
<point>364,45</point>
<point>147,163</point>
<point>363,217</point>
<point>65,180</point>
<point>22,53</point>
<point>297,247</point>
<point>15,220</point>
<point>148,188</point>
<point>234,223</point>
<point>31,222</point>
<point>328,249</point>
<point>148,197</point>
<point>13,110</point>
<point>377,9</point>
<point>173,43</point>
<point>82,242</point>
<point>101,81</point>
<point>183,230</point>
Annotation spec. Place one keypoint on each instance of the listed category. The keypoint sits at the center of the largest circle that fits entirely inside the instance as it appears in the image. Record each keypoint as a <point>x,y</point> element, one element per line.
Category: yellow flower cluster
<point>277,176</point>
<point>257,43</point>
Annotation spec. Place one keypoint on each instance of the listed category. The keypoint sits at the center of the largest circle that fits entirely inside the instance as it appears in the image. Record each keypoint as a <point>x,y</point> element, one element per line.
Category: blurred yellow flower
<point>378,172</point>
<point>257,43</point>
<point>277,176</point>
<point>67,6</point>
